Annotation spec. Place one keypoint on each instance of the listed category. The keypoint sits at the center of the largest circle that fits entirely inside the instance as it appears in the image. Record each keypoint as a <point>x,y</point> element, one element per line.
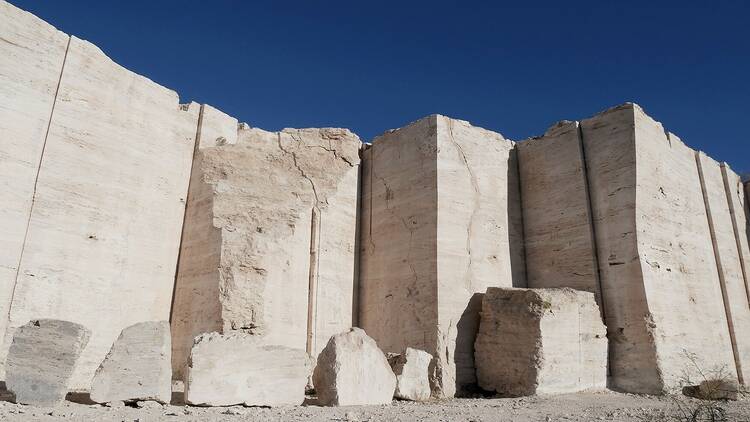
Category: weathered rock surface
<point>105,213</point>
<point>41,360</point>
<point>138,367</point>
<point>441,223</point>
<point>268,245</point>
<point>237,368</point>
<point>352,370</point>
<point>411,369</point>
<point>719,389</point>
<point>540,341</point>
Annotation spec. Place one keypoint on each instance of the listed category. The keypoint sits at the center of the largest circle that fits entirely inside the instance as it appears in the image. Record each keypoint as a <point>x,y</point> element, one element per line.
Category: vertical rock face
<point>654,252</point>
<point>237,368</point>
<point>720,199</point>
<point>352,370</point>
<point>440,223</point>
<point>32,58</point>
<point>557,224</point>
<point>540,341</point>
<point>268,245</point>
<point>108,201</point>
<point>138,367</point>
<point>41,360</point>
<point>411,369</point>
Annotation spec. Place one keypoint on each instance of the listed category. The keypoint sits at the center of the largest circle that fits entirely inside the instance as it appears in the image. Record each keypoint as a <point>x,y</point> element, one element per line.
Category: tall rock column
<point>268,242</point>
<point>440,223</point>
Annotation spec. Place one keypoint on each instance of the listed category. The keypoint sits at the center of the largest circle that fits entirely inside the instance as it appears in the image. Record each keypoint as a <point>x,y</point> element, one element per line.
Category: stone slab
<point>540,341</point>
<point>138,367</point>
<point>352,371</point>
<point>412,374</point>
<point>238,368</point>
<point>41,360</point>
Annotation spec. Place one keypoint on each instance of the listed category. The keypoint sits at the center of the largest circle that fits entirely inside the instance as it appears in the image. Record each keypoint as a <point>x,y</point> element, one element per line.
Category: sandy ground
<point>604,406</point>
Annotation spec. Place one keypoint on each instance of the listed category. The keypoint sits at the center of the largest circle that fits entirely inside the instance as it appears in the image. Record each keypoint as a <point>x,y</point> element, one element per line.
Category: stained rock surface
<point>138,367</point>
<point>41,360</point>
<point>411,369</point>
<point>237,368</point>
<point>352,370</point>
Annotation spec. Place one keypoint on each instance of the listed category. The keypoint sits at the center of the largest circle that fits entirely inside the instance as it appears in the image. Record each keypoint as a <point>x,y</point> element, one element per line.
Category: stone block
<point>441,223</point>
<point>719,389</point>
<point>268,245</point>
<point>138,367</point>
<point>238,368</point>
<point>41,360</point>
<point>352,370</point>
<point>412,374</point>
<point>540,341</point>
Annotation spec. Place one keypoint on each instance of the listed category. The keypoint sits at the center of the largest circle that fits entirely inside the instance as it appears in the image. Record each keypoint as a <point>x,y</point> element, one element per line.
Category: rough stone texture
<point>441,222</point>
<point>138,367</point>
<point>411,369</point>
<point>738,208</point>
<point>352,370</point>
<point>268,245</point>
<point>41,360</point>
<point>32,53</point>
<point>540,341</point>
<point>105,221</point>
<point>238,368</point>
<point>558,233</point>
<point>729,260</point>
<point>719,389</point>
<point>654,251</point>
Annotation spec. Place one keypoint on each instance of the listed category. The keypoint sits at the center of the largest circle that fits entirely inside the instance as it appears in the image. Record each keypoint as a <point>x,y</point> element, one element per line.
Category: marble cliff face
<point>120,206</point>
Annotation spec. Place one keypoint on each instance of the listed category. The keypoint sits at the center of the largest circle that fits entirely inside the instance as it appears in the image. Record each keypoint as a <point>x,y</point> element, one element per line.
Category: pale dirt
<point>604,406</point>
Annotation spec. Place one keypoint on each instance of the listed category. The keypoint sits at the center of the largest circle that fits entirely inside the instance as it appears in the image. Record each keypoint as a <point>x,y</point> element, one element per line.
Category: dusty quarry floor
<point>605,406</point>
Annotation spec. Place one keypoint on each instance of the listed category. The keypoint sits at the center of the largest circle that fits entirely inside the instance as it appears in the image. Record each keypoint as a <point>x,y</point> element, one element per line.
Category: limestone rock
<point>238,368</point>
<point>138,367</point>
<point>269,236</point>
<point>41,360</point>
<point>540,341</point>
<point>440,223</point>
<point>411,369</point>
<point>719,389</point>
<point>352,370</point>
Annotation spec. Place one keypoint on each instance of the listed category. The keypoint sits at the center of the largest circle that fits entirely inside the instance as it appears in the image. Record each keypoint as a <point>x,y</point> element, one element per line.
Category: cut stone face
<point>540,341</point>
<point>440,223</point>
<point>41,360</point>
<point>411,369</point>
<point>352,370</point>
<point>238,368</point>
<point>104,225</point>
<point>268,245</point>
<point>138,367</point>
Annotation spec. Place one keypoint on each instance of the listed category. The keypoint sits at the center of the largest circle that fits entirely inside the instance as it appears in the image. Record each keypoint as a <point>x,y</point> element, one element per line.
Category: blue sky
<point>514,67</point>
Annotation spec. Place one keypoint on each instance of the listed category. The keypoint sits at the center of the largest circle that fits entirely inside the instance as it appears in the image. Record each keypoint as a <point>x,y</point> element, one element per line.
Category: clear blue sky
<point>514,67</point>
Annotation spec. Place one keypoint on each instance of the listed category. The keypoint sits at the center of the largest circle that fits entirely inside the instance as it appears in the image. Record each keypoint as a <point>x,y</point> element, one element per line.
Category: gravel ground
<point>602,406</point>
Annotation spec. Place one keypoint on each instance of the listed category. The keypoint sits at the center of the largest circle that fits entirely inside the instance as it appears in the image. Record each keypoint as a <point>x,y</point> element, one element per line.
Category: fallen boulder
<point>719,389</point>
<point>41,360</point>
<point>412,374</point>
<point>540,341</point>
<point>238,368</point>
<point>138,367</point>
<point>352,370</point>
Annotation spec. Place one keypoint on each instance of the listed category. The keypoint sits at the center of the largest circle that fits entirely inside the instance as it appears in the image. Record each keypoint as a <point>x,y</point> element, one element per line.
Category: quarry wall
<point>120,205</point>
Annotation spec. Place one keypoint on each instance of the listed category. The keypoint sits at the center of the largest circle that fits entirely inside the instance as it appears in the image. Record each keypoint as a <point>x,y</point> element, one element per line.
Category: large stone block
<point>441,223</point>
<point>268,244</point>
<point>31,61</point>
<point>238,368</point>
<point>411,369</point>
<point>540,341</point>
<point>105,221</point>
<point>138,367</point>
<point>352,370</point>
<point>41,360</point>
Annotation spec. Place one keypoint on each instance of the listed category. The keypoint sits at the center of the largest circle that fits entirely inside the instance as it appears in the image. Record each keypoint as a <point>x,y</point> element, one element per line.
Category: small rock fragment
<point>138,367</point>
<point>412,374</point>
<point>237,368</point>
<point>352,370</point>
<point>41,360</point>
